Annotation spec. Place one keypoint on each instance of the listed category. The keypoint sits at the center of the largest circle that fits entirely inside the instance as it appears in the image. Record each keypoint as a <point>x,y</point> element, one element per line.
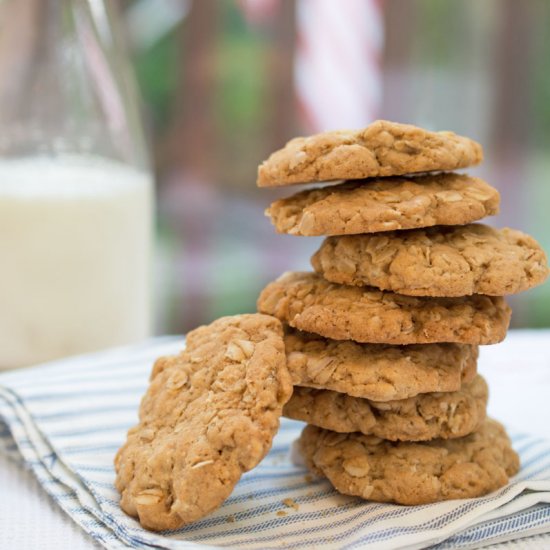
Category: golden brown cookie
<point>308,302</point>
<point>382,205</point>
<point>419,418</point>
<point>381,149</point>
<point>209,415</point>
<point>376,371</point>
<point>439,261</point>
<point>412,473</point>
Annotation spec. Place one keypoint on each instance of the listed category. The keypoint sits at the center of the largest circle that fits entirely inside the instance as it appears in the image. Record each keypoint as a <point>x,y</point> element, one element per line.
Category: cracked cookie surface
<point>382,205</point>
<point>308,302</point>
<point>412,473</point>
<point>420,418</point>
<point>381,149</point>
<point>376,371</point>
<point>440,261</point>
<point>209,415</point>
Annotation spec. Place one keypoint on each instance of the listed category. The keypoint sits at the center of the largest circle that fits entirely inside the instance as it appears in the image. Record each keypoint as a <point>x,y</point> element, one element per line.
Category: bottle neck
<point>61,87</point>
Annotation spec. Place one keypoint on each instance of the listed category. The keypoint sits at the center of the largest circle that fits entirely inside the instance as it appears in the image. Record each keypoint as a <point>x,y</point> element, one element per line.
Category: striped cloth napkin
<point>67,419</point>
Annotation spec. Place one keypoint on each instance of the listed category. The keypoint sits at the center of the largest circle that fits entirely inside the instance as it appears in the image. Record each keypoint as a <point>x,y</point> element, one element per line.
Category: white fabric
<point>518,373</point>
<point>30,518</point>
<point>52,443</point>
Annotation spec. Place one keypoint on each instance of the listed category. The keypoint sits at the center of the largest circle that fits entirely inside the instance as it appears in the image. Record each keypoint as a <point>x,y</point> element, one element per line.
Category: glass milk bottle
<point>75,187</point>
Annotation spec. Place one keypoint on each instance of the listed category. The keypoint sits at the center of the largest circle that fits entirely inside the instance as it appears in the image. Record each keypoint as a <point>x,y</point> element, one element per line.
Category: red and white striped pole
<point>337,65</point>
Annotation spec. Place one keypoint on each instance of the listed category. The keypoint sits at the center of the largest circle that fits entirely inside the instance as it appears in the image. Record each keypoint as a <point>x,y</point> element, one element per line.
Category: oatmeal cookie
<point>412,473</point>
<point>308,302</point>
<point>383,205</point>
<point>209,415</point>
<point>419,418</point>
<point>439,261</point>
<point>381,149</point>
<point>376,371</point>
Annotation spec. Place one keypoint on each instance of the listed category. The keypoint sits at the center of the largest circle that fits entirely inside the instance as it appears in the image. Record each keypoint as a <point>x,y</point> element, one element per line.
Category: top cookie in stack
<point>380,150</point>
<point>382,338</point>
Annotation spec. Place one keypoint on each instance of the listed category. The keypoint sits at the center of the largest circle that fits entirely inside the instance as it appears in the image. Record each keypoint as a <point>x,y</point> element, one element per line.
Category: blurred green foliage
<point>157,71</point>
<point>241,70</point>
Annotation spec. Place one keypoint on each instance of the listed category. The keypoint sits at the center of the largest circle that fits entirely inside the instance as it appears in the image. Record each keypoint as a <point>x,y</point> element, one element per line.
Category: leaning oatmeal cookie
<point>376,371</point>
<point>412,473</point>
<point>420,418</point>
<point>308,302</point>
<point>385,204</point>
<point>209,415</point>
<point>439,261</point>
<point>381,149</point>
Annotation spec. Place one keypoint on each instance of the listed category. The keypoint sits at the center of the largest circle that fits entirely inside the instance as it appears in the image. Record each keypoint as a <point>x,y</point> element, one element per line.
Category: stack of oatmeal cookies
<point>382,337</point>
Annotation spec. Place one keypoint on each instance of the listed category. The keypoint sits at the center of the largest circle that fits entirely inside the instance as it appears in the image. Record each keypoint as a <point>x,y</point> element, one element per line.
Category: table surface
<point>518,373</point>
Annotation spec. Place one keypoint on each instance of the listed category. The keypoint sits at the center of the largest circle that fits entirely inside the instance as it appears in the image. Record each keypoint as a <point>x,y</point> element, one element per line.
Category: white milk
<point>75,248</point>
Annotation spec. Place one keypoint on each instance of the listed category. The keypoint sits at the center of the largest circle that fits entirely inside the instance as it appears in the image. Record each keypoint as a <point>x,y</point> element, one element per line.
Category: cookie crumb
<point>281,513</point>
<point>290,503</point>
<point>230,519</point>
